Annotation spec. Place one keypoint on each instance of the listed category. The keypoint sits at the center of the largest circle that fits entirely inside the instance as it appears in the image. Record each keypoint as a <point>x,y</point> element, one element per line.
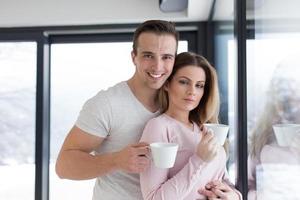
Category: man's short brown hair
<point>158,27</point>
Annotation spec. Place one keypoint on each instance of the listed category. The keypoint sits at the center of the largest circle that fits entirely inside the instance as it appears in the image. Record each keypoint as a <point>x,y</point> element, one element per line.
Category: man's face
<point>154,59</point>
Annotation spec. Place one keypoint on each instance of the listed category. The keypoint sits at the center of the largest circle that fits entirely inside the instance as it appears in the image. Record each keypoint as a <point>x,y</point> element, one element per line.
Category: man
<point>102,143</point>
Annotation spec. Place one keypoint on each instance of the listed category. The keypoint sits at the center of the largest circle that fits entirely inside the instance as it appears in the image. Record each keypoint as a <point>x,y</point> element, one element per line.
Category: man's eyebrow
<point>165,54</point>
<point>168,54</point>
<point>147,52</point>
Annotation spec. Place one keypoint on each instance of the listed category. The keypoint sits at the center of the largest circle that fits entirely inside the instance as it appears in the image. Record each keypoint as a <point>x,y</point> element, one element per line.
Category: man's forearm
<point>79,165</point>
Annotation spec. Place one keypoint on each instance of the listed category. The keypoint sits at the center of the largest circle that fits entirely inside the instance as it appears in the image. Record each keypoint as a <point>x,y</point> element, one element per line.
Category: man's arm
<point>76,162</point>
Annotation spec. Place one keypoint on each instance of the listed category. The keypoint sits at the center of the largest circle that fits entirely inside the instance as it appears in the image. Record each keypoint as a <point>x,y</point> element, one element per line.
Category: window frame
<point>194,33</point>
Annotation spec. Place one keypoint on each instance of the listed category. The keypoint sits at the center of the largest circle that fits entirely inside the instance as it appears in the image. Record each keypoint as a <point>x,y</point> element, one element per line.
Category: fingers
<point>220,186</point>
<point>141,149</point>
<point>141,164</point>
<point>140,144</point>
<point>219,193</point>
<point>142,160</point>
<point>141,156</point>
<point>209,137</point>
<point>208,147</point>
<point>216,190</point>
<point>207,193</point>
<point>133,158</point>
<point>203,128</point>
<point>138,164</point>
<point>209,186</point>
<point>212,144</point>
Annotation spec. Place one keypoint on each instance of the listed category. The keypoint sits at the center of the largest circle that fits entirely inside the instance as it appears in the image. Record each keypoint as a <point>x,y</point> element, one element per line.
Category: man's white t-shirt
<point>116,115</point>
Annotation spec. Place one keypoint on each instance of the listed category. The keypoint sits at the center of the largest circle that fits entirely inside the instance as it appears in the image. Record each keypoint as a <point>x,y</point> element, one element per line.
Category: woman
<point>277,164</point>
<point>188,99</point>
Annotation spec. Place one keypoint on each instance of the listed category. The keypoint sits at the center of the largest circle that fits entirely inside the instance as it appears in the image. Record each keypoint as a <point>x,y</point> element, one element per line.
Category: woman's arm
<point>155,182</point>
<point>221,189</point>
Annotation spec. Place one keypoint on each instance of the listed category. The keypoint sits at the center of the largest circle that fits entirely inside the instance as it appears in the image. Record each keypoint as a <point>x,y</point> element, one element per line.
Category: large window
<point>17,120</point>
<point>81,65</point>
<point>222,16</point>
<point>78,72</point>
<point>273,69</point>
<point>273,100</point>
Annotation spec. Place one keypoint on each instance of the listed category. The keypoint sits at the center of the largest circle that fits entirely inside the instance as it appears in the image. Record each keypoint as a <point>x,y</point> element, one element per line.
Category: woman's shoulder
<point>158,129</point>
<point>272,153</point>
<point>161,120</point>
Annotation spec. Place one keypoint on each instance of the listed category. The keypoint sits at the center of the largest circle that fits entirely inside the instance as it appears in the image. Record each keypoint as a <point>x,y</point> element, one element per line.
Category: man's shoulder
<point>112,92</point>
<point>119,87</point>
<point>118,98</point>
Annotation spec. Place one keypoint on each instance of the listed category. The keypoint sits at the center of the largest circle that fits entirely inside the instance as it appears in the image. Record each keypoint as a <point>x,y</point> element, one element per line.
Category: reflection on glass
<point>273,70</point>
<point>78,72</point>
<point>274,151</point>
<point>17,120</point>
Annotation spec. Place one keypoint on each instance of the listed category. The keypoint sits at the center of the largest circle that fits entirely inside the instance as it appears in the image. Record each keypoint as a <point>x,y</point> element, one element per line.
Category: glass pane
<point>79,71</point>
<point>17,120</point>
<point>273,96</point>
<point>225,63</point>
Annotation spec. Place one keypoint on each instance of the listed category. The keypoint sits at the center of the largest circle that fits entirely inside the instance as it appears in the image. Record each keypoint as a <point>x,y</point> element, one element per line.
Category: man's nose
<point>157,64</point>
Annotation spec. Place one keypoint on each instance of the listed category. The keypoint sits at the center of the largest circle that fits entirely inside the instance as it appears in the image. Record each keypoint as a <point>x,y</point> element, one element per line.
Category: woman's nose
<point>191,91</point>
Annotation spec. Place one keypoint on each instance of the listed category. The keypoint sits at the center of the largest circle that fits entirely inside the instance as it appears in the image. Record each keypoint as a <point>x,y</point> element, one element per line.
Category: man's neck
<point>147,96</point>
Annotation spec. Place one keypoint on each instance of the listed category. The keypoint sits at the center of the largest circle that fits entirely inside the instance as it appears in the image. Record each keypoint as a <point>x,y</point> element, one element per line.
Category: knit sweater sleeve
<point>155,182</point>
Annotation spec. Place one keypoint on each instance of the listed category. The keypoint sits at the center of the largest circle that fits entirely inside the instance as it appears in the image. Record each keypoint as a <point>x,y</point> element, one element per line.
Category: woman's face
<point>287,101</point>
<point>186,88</point>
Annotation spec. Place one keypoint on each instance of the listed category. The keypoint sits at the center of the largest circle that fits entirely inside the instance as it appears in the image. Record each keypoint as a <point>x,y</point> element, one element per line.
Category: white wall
<point>24,13</point>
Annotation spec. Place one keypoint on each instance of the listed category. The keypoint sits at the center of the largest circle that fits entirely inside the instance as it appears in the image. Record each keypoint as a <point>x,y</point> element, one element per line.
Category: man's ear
<point>133,56</point>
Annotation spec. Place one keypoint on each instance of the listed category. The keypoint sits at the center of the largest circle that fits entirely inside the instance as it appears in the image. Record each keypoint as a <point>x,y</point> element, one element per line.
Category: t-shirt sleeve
<point>155,182</point>
<point>95,116</point>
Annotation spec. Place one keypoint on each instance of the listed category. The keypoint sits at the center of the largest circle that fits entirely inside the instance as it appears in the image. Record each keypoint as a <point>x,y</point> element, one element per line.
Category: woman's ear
<point>166,86</point>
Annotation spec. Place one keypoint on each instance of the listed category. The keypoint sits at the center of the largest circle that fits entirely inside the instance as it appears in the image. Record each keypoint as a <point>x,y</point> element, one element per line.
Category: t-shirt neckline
<point>138,102</point>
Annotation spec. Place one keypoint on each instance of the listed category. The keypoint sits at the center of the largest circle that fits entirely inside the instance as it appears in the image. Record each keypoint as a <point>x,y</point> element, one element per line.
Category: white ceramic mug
<point>220,131</point>
<point>164,154</point>
<point>286,133</point>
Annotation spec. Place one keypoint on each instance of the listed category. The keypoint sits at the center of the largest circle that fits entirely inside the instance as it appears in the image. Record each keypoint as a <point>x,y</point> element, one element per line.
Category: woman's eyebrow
<point>190,79</point>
